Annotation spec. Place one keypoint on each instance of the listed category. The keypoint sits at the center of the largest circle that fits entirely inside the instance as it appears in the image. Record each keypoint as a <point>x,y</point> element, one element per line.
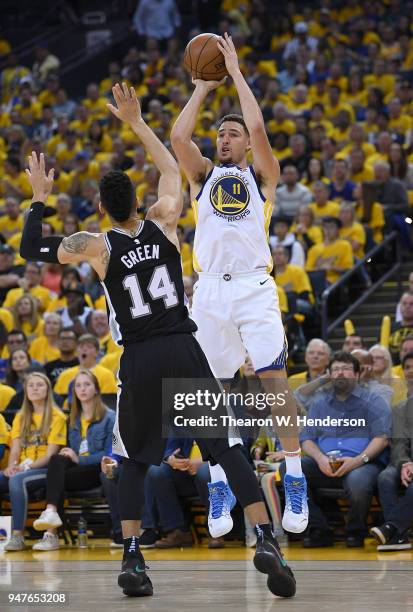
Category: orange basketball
<point>203,59</point>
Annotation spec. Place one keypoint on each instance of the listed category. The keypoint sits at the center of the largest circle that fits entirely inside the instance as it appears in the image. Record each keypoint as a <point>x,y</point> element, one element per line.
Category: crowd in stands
<point>335,87</point>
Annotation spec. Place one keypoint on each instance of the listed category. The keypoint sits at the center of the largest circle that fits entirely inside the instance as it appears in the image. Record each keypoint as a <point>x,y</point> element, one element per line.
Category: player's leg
<point>132,579</point>
<point>263,336</point>
<point>268,557</point>
<point>220,342</point>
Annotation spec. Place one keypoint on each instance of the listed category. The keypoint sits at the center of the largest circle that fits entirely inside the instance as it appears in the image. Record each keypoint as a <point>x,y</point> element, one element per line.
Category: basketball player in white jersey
<point>235,303</point>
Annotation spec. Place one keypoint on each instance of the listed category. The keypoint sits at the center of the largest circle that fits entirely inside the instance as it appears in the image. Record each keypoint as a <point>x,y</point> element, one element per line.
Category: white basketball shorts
<point>238,314</point>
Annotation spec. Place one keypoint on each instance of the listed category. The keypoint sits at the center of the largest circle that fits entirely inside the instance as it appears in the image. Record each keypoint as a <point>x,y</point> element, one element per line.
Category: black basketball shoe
<point>269,560</point>
<point>133,578</point>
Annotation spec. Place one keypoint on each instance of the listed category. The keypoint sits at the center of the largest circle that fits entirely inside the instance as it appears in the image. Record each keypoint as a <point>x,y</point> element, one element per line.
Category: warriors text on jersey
<point>143,285</point>
<point>232,220</point>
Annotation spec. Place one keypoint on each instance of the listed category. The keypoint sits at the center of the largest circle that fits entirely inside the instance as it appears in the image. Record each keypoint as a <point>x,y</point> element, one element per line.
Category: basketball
<point>203,59</point>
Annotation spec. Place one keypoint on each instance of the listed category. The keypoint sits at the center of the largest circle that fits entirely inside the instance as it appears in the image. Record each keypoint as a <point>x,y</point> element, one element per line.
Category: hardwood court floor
<point>199,580</point>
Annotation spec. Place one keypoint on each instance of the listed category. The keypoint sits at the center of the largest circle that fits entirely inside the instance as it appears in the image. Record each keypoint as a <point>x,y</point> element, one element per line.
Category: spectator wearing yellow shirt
<point>299,102</point>
<point>380,77</point>
<point>335,104</point>
<point>98,326</point>
<point>336,77</point>
<point>26,316</point>
<point>100,140</point>
<point>63,207</point>
<point>293,279</point>
<point>14,181</point>
<point>12,221</point>
<point>279,143</point>
<point>38,431</point>
<point>368,211</point>
<point>341,133</point>
<point>280,121</point>
<point>30,283</point>
<point>358,170</point>
<point>66,152</point>
<point>111,361</point>
<point>136,172</point>
<point>6,318</point>
<point>186,252</point>
<point>58,140</point>
<point>305,230</point>
<point>95,103</point>
<point>150,182</point>
<point>351,230</point>
<point>87,350</point>
<point>317,357</point>
<point>77,466</point>
<point>398,121</point>
<point>406,347</point>
<point>357,140</point>
<point>322,206</point>
<point>114,72</point>
<point>334,255</point>
<point>48,96</point>
<point>29,109</point>
<point>45,347</point>
<point>356,93</point>
<point>6,393</point>
<point>84,169</point>
<point>187,218</point>
<point>82,120</point>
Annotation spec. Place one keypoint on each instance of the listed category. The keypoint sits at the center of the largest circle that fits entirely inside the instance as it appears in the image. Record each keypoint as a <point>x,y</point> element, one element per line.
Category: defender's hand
<point>127,107</point>
<point>41,183</point>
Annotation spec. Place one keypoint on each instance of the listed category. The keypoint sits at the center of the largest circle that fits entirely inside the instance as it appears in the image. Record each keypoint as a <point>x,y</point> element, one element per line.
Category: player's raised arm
<point>190,158</point>
<point>53,249</point>
<point>265,164</point>
<point>169,205</point>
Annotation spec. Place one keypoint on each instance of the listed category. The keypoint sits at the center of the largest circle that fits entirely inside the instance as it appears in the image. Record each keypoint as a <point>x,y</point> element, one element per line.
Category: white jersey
<point>232,220</point>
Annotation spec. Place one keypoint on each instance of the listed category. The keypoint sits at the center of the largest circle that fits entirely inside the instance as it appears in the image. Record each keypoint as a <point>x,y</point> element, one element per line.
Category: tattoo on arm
<point>77,243</point>
<point>105,256</point>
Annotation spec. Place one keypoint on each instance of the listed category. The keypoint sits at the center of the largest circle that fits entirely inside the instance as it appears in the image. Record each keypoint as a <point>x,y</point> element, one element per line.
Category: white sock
<point>293,463</point>
<point>217,473</point>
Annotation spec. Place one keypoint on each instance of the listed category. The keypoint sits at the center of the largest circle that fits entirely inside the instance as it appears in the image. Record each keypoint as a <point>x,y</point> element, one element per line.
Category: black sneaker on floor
<point>316,538</point>
<point>148,538</point>
<point>269,560</point>
<point>384,533</point>
<point>133,578</point>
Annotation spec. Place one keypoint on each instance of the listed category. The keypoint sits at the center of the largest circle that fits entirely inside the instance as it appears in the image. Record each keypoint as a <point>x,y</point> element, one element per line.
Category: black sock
<point>266,529</point>
<point>131,545</point>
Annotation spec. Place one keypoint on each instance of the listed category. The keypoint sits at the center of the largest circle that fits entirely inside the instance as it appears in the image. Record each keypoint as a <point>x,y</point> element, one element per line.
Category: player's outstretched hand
<point>41,182</point>
<point>228,50</point>
<point>127,107</point>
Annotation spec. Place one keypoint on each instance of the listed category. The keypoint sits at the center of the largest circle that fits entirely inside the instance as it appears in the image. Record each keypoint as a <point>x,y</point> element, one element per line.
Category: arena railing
<point>393,237</point>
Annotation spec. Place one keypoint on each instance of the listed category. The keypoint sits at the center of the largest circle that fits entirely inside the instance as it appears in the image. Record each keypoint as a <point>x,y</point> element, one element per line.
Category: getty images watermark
<point>201,407</point>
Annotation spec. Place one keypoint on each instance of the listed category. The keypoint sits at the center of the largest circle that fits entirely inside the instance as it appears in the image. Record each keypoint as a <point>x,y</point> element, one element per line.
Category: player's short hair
<point>117,195</point>
<point>236,118</point>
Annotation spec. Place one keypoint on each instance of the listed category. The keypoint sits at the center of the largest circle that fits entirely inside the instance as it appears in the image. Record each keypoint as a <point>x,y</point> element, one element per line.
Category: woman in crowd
<point>368,210</point>
<point>19,363</point>
<point>399,166</point>
<point>305,230</point>
<point>26,316</point>
<point>77,467</point>
<point>38,431</point>
<point>44,348</point>
<point>382,366</point>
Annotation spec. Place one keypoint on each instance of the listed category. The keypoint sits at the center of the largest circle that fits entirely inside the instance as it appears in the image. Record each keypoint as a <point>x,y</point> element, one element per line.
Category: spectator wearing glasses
<point>362,450</point>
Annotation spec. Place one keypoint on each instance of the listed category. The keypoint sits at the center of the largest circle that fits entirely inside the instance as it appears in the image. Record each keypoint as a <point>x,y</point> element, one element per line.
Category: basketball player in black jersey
<point>139,265</point>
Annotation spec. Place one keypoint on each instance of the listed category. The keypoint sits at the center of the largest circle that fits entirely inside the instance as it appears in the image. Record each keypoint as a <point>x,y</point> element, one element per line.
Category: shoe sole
<point>395,547</point>
<point>15,549</point>
<point>46,549</point>
<point>128,583</point>
<point>220,533</point>
<point>295,529</point>
<point>378,535</point>
<point>279,581</point>
<point>40,526</point>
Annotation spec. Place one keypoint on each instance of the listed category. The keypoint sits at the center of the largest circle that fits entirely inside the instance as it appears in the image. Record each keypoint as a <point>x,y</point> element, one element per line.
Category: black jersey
<point>143,285</point>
